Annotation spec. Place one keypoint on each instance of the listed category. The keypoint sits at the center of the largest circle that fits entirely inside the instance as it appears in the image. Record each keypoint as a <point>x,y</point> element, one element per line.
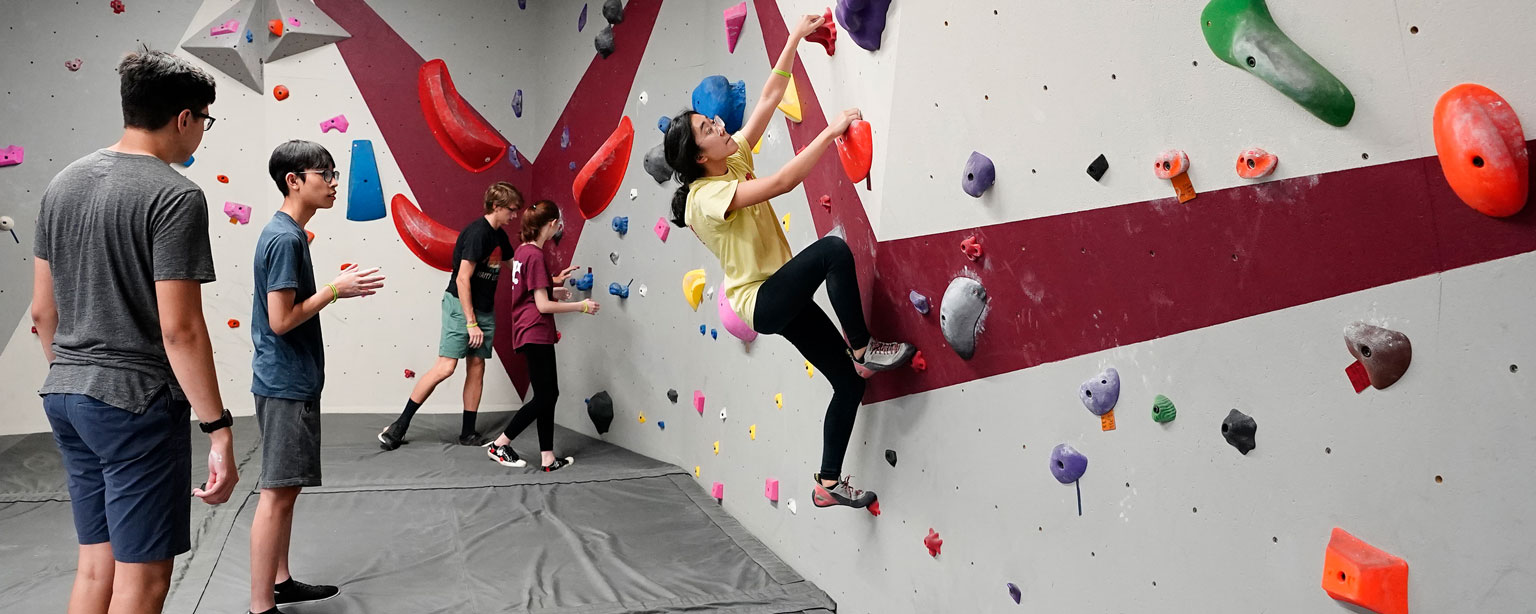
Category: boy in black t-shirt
<point>468,317</point>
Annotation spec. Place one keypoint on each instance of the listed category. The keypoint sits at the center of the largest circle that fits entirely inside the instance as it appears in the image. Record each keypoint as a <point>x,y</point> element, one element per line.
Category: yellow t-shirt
<point>749,242</point>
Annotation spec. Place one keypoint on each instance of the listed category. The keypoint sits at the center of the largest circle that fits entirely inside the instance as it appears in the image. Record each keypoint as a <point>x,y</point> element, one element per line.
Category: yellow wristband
<point>583,306</point>
<point>335,294</point>
<point>781,73</point>
<point>472,325</point>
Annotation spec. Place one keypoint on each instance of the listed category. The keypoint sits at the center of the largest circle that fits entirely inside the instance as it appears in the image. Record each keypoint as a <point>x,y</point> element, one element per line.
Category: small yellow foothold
<point>785,221</point>
<point>697,472</point>
<point>758,148</point>
<point>642,417</point>
<point>752,432</point>
<point>809,370</point>
<point>717,447</point>
<point>778,400</point>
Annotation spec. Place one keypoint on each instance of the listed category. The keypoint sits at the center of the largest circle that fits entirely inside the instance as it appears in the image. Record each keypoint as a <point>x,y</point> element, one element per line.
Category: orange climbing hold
<point>223,178</point>
<point>1358,573</point>
<point>280,93</point>
<point>599,180</point>
<point>856,149</point>
<point>460,131</point>
<point>233,323</point>
<point>275,26</point>
<point>1256,163</point>
<point>1482,150</point>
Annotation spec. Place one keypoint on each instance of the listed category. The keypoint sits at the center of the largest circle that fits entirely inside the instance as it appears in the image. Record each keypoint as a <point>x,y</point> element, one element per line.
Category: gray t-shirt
<point>291,366</point>
<point>110,226</point>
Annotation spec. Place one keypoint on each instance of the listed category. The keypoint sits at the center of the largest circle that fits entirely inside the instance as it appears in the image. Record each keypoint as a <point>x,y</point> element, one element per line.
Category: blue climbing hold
<point>249,37</point>
<point>581,22</point>
<point>661,425</point>
<point>365,195</point>
<point>621,225</point>
<point>663,123</point>
<point>703,329</point>
<point>618,290</point>
<point>565,137</point>
<point>517,103</point>
<point>584,283</point>
<point>714,333</point>
<point>717,96</point>
<point>572,166</point>
<point>919,302</point>
<point>517,163</point>
<point>190,159</point>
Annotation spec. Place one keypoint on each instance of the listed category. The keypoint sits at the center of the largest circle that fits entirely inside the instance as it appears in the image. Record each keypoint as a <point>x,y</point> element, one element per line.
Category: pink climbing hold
<point>771,489</point>
<point>293,21</point>
<point>228,27</point>
<point>717,490</point>
<point>933,543</point>
<point>73,65</point>
<point>971,247</point>
<point>237,212</point>
<point>826,201</point>
<point>11,156</point>
<point>335,123</point>
<point>662,229</point>
<point>698,401</point>
<point>735,17</point>
<point>826,34</point>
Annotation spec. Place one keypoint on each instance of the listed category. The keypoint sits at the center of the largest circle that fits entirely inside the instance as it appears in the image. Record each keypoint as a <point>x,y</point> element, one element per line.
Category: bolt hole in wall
<point>1413,30</point>
<point>1439,480</point>
<point>1514,368</point>
<point>1477,161</point>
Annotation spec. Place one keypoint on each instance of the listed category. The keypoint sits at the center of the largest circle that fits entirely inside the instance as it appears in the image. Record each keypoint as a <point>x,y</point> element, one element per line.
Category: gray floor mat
<point>435,527</point>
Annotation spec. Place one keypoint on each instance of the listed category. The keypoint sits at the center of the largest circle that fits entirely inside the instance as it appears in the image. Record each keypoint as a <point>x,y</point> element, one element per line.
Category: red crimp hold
<point>933,543</point>
<point>34,330</point>
<point>874,508</point>
<point>826,201</point>
<point>919,363</point>
<point>409,374</point>
<point>971,247</point>
<point>826,34</point>
<point>117,6</point>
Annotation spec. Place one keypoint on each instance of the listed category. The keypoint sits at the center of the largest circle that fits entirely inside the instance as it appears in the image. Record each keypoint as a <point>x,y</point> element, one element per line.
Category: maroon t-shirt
<point>529,274</point>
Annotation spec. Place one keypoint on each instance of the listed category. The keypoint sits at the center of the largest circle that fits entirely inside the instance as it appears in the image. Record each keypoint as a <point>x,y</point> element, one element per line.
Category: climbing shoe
<point>505,456</point>
<point>829,497</point>
<point>391,437</point>
<point>885,355</point>
<point>473,439</point>
<point>294,591</point>
<point>560,463</point>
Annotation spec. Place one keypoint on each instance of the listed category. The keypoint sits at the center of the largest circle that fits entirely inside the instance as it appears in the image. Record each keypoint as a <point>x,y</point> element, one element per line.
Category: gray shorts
<point>290,442</point>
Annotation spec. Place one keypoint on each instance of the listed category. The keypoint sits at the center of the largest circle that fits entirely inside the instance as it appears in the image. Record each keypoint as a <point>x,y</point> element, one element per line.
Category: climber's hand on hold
<point>807,25</point>
<point>840,123</point>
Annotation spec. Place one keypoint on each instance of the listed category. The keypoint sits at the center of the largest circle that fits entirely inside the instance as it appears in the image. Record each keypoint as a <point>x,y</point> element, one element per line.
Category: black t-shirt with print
<point>487,247</point>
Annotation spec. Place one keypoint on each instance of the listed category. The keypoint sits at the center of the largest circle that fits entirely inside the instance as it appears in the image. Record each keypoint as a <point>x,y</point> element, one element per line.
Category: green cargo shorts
<point>455,340</point>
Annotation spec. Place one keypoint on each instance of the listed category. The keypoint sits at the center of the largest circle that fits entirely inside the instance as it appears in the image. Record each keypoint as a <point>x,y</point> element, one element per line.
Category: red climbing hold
<point>223,178</point>
<point>599,180</point>
<point>459,130</point>
<point>280,93</point>
<point>826,34</point>
<point>346,265</point>
<point>919,363</point>
<point>34,330</point>
<point>856,148</point>
<point>874,508</point>
<point>233,323</point>
<point>275,26</point>
<point>409,374</point>
<point>971,247</point>
<point>1482,150</point>
<point>430,241</point>
<point>826,201</point>
<point>117,6</point>
<point>1359,573</point>
<point>933,543</point>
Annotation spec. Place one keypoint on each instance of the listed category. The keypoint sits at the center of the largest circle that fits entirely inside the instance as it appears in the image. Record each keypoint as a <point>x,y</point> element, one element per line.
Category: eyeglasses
<point>326,176</point>
<point>207,120</point>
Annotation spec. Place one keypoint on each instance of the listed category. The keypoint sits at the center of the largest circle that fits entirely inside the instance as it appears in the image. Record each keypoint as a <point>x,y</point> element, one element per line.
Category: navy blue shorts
<point>130,475</point>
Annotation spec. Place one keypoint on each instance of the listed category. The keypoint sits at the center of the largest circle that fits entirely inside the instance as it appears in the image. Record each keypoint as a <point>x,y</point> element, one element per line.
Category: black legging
<point>546,390</point>
<point>785,307</point>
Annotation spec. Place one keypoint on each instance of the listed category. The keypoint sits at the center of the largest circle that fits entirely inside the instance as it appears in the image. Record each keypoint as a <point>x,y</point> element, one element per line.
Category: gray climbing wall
<point>1173,519</point>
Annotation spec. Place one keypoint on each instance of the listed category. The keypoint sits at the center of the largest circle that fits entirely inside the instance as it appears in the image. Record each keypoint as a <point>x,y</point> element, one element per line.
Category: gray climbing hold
<point>613,11</point>
<point>604,41</point>
<point>656,164</point>
<point>672,395</point>
<point>1239,429</point>
<point>960,314</point>
<point>1100,393</point>
<point>600,410</point>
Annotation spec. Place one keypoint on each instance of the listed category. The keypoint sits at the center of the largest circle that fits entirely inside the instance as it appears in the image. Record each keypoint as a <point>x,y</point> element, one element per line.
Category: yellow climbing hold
<point>642,417</point>
<point>752,432</point>
<point>809,370</point>
<point>778,400</point>
<point>785,222</point>
<point>697,472</point>
<point>790,104</point>
<point>717,447</point>
<point>758,148</point>
<point>693,287</point>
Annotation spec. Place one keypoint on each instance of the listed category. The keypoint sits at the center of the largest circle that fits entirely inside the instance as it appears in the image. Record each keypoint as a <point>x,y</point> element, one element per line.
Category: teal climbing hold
<point>1163,409</point>
<point>365,195</point>
<point>1242,33</point>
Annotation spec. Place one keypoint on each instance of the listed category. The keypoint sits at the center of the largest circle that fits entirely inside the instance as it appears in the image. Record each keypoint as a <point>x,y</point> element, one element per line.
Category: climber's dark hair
<point>683,156</point>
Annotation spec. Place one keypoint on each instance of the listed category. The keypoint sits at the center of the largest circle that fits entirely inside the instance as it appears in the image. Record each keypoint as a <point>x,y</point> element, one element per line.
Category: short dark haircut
<point>157,86</point>
<point>297,156</point>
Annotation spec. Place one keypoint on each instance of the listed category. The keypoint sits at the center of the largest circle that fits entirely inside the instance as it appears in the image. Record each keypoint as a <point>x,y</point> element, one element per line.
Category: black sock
<point>405,416</point>
<point>469,424</point>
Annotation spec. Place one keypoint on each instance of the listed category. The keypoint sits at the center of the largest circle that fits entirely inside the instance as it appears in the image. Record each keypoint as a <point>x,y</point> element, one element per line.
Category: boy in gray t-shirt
<point>122,251</point>
<point>288,364</point>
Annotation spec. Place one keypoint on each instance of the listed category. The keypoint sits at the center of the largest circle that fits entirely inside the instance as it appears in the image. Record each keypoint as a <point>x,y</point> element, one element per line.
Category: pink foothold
<point>293,21</point>
<point>826,201</point>
<point>11,156</point>
<point>662,229</point>
<point>771,489</point>
<point>339,123</point>
<point>698,401</point>
<point>735,17</point>
<point>228,27</point>
<point>717,490</point>
<point>72,65</point>
<point>237,212</point>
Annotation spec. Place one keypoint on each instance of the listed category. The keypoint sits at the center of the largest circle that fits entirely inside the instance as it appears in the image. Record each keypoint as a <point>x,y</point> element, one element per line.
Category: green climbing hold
<point>1243,34</point>
<point>1163,410</point>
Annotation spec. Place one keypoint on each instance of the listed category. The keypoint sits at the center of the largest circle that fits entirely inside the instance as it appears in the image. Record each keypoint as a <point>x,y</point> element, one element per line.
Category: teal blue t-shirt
<point>290,366</point>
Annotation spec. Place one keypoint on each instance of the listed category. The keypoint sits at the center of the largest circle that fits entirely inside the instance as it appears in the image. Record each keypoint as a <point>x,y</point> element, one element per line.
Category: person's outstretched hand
<point>564,275</point>
<point>807,25</point>
<point>354,281</point>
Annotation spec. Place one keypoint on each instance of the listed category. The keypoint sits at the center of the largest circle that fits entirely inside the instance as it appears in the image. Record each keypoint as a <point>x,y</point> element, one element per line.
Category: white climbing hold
<point>791,506</point>
<point>722,414</point>
<point>642,289</point>
<point>634,193</point>
<point>710,292</point>
<point>644,97</point>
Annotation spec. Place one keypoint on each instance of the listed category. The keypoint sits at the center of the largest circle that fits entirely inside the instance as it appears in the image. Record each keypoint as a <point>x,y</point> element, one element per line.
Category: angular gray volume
<point>242,59</point>
<point>960,314</point>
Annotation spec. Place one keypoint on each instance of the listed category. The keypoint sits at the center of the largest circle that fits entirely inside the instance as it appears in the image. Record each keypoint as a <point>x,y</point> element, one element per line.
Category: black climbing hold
<point>1098,168</point>
<point>604,41</point>
<point>672,395</point>
<point>656,164</point>
<point>600,409</point>
<point>613,11</point>
<point>1239,429</point>
<point>890,457</point>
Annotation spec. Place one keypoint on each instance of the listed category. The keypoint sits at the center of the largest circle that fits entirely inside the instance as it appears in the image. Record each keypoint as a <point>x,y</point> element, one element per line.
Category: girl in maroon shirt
<point>535,300</point>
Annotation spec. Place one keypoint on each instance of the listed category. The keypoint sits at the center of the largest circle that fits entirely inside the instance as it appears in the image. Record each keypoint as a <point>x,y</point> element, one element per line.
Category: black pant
<point>546,390</point>
<point>785,307</point>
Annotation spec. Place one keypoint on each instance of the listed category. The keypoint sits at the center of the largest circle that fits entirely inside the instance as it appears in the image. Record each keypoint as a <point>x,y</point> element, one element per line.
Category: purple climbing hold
<point>1067,464</point>
<point>717,96</point>
<point>1014,592</point>
<point>919,302</point>
<point>522,4</point>
<point>863,20</point>
<point>565,137</point>
<point>517,103</point>
<point>663,123</point>
<point>1100,393</point>
<point>979,175</point>
<point>581,22</point>
<point>572,166</point>
<point>517,161</point>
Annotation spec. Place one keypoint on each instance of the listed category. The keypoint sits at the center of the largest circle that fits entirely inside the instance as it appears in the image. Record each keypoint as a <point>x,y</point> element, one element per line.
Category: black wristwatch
<point>224,421</point>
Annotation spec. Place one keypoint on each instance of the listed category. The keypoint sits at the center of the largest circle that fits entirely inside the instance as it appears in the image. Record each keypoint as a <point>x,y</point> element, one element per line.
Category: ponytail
<point>536,217</point>
<point>683,156</point>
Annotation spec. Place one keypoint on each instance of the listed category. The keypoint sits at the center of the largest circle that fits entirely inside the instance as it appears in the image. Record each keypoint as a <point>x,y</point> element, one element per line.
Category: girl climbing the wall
<point>535,296</point>
<point>769,288</point>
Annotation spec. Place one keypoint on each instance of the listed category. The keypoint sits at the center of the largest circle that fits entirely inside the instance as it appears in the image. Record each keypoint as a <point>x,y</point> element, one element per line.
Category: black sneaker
<point>473,439</point>
<point>392,437</point>
<point>505,456</point>
<point>560,463</point>
<point>294,591</point>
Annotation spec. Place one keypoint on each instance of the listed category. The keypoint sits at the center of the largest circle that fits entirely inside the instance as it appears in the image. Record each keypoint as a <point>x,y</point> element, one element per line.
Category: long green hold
<point>1242,33</point>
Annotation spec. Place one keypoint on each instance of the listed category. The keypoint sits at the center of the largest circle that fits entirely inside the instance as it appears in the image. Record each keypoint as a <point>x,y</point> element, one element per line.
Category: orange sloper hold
<point>1482,150</point>
<point>1358,573</point>
<point>599,180</point>
<point>458,129</point>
